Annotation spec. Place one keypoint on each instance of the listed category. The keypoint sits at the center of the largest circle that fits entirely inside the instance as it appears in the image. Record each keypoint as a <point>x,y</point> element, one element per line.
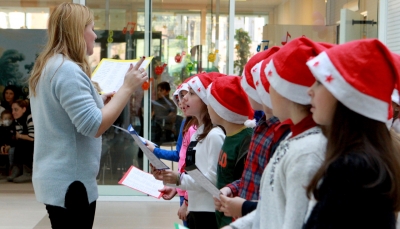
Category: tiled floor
<point>20,210</point>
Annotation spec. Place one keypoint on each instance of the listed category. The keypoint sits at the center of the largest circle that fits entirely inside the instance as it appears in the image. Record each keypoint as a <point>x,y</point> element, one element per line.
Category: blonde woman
<point>70,116</point>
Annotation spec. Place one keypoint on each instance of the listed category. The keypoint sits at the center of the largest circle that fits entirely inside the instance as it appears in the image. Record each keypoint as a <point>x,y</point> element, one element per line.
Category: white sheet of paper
<point>110,74</point>
<point>142,182</point>
<point>154,160</point>
<point>203,181</point>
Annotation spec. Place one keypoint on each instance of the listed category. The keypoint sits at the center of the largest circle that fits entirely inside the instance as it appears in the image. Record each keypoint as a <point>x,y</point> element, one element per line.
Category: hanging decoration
<point>132,27</point>
<point>190,66</point>
<point>110,37</point>
<point>179,57</point>
<point>160,69</point>
<point>146,85</point>
<point>287,36</point>
<point>212,56</point>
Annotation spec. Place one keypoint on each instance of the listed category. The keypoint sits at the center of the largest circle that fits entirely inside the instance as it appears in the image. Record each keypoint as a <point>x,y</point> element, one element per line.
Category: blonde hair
<point>65,31</point>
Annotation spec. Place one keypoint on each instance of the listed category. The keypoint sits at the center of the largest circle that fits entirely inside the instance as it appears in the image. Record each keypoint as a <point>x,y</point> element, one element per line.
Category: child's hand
<point>217,204</point>
<point>231,206</point>
<point>168,192</point>
<point>170,176</point>
<point>182,212</point>
<point>226,191</point>
<point>156,173</point>
<point>150,146</point>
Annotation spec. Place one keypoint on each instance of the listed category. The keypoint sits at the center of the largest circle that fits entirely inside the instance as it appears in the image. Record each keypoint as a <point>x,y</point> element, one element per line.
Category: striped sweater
<point>24,125</point>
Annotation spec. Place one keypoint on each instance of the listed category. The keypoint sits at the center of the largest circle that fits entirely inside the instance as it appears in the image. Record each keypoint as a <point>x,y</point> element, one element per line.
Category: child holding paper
<point>188,128</point>
<point>283,202</point>
<point>236,121</point>
<point>205,145</point>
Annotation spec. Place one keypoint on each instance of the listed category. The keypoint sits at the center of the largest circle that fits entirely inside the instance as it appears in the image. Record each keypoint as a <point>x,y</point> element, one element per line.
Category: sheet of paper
<point>110,73</point>
<point>179,226</point>
<point>133,131</point>
<point>202,180</point>
<point>142,182</point>
<point>154,160</point>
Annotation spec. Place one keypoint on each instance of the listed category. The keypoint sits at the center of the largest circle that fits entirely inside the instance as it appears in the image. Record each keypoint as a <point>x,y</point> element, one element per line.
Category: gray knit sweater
<point>283,201</point>
<point>66,112</point>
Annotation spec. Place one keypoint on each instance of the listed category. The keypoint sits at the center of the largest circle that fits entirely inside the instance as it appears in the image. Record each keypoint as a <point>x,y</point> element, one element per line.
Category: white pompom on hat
<point>287,71</point>
<point>247,81</point>
<point>260,79</point>
<point>360,74</point>
<point>229,100</point>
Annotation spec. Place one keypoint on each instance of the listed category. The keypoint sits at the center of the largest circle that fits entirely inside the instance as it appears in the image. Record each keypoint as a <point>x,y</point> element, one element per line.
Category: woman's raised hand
<point>135,76</point>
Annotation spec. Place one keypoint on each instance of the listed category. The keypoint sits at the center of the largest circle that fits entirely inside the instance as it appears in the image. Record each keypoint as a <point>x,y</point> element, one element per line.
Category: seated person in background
<point>164,113</point>
<point>23,154</point>
<point>7,131</point>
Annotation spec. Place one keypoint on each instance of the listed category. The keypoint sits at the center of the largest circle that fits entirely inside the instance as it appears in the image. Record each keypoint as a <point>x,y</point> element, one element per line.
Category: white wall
<point>299,12</point>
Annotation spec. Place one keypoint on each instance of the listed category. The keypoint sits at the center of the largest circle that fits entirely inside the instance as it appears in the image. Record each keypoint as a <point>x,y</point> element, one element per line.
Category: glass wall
<point>184,38</point>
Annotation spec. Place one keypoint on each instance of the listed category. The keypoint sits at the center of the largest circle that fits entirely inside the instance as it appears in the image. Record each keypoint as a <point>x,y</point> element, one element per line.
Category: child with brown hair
<point>236,121</point>
<point>357,185</point>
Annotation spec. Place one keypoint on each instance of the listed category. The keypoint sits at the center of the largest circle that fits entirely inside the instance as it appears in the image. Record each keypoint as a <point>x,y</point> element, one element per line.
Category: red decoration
<point>131,30</point>
<point>287,35</point>
<point>146,85</point>
<point>178,57</point>
<point>160,69</point>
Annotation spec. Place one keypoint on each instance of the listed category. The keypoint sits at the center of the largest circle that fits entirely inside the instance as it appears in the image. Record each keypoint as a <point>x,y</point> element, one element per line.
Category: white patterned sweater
<point>283,201</point>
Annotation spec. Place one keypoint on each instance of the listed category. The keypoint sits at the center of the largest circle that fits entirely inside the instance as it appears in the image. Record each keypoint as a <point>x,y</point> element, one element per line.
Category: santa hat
<point>200,82</point>
<point>287,72</point>
<point>395,97</point>
<point>247,81</point>
<point>239,111</point>
<point>260,79</point>
<point>360,74</point>
<point>183,87</point>
<point>175,96</point>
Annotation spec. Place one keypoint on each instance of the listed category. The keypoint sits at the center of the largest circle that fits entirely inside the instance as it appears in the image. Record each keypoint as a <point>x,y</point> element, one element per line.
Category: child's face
<point>182,104</point>
<point>193,104</point>
<point>280,104</point>
<point>215,118</point>
<point>323,104</point>
<point>6,119</point>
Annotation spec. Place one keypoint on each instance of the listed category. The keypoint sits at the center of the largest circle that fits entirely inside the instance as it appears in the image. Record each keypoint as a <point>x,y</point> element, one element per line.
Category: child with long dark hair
<point>358,184</point>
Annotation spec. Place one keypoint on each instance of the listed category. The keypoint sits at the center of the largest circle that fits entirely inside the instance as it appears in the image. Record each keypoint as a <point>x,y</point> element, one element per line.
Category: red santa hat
<point>287,72</point>
<point>237,108</point>
<point>360,74</point>
<point>200,82</point>
<point>183,87</point>
<point>260,79</point>
<point>175,96</point>
<point>396,97</point>
<point>247,81</point>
